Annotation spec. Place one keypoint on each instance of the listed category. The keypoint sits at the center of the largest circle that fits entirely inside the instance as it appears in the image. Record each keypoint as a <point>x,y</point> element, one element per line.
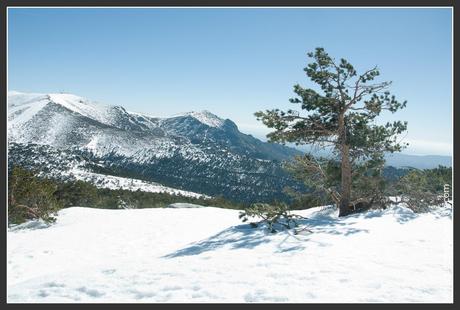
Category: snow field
<point>208,255</point>
<point>115,182</point>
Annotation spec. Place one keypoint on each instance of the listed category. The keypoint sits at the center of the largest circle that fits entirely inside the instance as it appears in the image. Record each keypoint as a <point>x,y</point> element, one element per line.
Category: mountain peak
<point>206,118</point>
<point>23,106</point>
<point>78,104</point>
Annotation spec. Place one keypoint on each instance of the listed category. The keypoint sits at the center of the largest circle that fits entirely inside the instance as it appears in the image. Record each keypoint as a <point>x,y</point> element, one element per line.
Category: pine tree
<point>342,116</point>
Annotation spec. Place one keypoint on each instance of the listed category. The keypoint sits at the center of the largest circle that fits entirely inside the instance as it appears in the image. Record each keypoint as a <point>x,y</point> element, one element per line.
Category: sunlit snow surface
<point>205,117</point>
<point>56,120</point>
<point>115,182</point>
<point>207,255</point>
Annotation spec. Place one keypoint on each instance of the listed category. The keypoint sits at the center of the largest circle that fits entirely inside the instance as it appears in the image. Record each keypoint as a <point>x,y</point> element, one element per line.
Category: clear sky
<point>234,62</point>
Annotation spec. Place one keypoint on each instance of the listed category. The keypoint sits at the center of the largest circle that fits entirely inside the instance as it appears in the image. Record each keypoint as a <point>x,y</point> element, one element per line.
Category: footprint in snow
<point>54,284</point>
<point>90,292</point>
<point>108,271</point>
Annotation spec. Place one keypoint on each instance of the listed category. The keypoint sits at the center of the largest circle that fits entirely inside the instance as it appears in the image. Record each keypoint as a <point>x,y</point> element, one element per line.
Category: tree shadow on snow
<point>404,215</point>
<point>246,237</point>
<point>331,225</point>
<point>401,215</point>
<point>29,225</point>
<point>238,237</point>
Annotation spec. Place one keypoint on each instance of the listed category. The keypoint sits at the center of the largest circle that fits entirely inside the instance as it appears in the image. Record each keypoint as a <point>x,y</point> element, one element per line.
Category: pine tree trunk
<point>345,168</point>
<point>346,182</point>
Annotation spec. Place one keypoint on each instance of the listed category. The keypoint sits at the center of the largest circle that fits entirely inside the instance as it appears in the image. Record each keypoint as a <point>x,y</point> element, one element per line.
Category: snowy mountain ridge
<point>193,151</point>
<point>29,104</point>
<point>204,117</point>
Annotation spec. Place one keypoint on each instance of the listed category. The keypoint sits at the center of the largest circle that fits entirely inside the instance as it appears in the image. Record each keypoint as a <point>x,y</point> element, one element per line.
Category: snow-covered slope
<point>204,117</point>
<point>22,107</point>
<point>69,121</point>
<point>115,182</point>
<point>66,120</point>
<point>195,151</point>
<point>207,255</point>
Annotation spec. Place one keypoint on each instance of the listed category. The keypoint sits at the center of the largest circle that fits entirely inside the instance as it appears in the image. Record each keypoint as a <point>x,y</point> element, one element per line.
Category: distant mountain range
<point>399,160</point>
<point>67,136</point>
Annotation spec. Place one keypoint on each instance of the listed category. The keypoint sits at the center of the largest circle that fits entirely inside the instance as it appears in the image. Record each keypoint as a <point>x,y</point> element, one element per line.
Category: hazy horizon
<point>234,62</point>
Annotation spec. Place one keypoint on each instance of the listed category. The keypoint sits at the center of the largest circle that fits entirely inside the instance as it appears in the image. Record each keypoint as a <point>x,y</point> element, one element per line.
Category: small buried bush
<point>275,216</point>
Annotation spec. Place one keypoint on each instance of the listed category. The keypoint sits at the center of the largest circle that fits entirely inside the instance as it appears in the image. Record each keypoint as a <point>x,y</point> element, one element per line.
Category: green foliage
<point>26,189</point>
<point>221,202</point>
<point>342,115</point>
<point>30,197</point>
<point>369,182</point>
<point>77,193</point>
<point>393,174</point>
<point>275,216</point>
<point>308,199</point>
<point>422,189</point>
<point>344,92</point>
<point>438,177</point>
<point>320,175</point>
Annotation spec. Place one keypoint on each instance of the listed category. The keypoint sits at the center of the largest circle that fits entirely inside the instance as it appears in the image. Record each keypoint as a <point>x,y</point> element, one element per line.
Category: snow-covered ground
<point>207,255</point>
<point>115,182</point>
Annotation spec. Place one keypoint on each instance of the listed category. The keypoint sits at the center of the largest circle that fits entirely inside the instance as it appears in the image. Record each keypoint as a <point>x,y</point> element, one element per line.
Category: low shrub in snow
<point>421,190</point>
<point>30,197</point>
<point>275,216</point>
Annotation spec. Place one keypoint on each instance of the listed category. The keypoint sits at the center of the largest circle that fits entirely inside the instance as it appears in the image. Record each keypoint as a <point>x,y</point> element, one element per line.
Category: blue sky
<point>234,62</point>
